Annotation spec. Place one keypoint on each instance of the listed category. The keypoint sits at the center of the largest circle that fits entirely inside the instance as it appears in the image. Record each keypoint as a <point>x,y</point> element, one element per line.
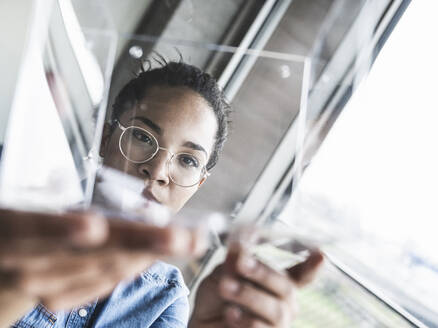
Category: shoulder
<point>164,274</point>
<point>161,283</point>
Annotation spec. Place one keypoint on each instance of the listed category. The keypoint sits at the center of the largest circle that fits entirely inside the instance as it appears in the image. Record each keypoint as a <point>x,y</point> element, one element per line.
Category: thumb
<point>303,273</point>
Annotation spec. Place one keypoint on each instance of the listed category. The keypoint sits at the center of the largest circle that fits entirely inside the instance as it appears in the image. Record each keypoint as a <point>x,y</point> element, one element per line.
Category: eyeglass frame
<point>204,171</point>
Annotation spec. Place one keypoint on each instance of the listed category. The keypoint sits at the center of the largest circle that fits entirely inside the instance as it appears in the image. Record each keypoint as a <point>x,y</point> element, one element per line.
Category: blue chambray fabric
<point>157,299</point>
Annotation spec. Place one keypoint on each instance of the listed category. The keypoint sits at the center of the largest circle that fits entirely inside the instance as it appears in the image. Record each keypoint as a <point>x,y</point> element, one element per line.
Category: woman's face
<point>181,121</point>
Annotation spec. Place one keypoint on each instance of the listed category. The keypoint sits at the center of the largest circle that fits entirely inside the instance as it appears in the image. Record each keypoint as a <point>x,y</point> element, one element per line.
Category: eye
<point>187,160</point>
<point>143,136</point>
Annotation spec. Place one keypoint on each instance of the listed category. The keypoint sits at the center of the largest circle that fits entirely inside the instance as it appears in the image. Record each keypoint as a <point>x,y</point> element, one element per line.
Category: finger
<point>69,258</point>
<point>80,293</point>
<point>132,236</point>
<point>27,259</point>
<point>14,305</point>
<point>200,243</point>
<point>68,271</point>
<point>8,279</point>
<point>216,274</point>
<point>171,240</point>
<point>267,278</point>
<point>73,228</point>
<point>303,273</point>
<point>235,317</point>
<point>208,308</point>
<point>253,299</point>
<point>235,249</point>
<point>214,323</point>
<point>85,290</point>
<point>23,251</point>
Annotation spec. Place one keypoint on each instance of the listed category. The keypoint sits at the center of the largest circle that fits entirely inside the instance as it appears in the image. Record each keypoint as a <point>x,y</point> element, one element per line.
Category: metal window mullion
<point>246,43</point>
<point>373,291</point>
<point>241,64</point>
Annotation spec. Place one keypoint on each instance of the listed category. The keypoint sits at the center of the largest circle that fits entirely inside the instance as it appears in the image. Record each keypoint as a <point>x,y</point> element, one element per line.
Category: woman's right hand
<point>69,259</point>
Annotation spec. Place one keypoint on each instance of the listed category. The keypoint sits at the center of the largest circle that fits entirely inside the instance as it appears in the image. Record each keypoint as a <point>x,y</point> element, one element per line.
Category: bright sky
<point>382,154</point>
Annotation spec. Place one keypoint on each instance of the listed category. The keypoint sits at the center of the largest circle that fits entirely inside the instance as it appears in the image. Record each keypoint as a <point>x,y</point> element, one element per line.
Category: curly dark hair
<point>178,74</point>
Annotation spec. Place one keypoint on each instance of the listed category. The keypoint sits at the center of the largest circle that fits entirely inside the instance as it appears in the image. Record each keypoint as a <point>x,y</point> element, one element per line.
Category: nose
<point>156,168</point>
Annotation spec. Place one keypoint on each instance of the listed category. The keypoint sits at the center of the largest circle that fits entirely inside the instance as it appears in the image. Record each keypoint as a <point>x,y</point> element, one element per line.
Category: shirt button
<point>83,313</point>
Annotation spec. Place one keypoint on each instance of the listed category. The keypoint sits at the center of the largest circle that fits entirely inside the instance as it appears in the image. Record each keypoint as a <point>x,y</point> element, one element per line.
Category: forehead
<point>175,102</point>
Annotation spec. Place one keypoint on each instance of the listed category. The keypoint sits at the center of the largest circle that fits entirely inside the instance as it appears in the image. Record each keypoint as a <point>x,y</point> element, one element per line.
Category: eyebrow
<point>149,123</point>
<point>195,146</point>
<point>158,130</point>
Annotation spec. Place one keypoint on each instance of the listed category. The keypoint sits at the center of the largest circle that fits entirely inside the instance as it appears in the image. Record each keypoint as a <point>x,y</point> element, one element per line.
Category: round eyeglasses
<point>138,145</point>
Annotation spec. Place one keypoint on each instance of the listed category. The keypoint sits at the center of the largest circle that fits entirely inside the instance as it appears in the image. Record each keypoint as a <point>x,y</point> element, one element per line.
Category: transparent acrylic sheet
<point>346,33</point>
<point>211,57</point>
<point>283,71</point>
<point>340,74</point>
<point>59,108</point>
<point>73,58</point>
<point>268,110</point>
<point>343,212</point>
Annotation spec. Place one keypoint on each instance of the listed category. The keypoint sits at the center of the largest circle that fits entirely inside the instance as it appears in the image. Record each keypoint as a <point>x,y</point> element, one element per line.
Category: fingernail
<point>173,241</point>
<point>230,286</point>
<point>93,232</point>
<point>248,264</point>
<point>233,313</point>
<point>183,242</point>
<point>199,243</point>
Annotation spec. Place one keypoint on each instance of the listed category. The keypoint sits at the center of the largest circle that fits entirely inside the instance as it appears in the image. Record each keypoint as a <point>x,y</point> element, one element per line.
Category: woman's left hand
<point>244,292</point>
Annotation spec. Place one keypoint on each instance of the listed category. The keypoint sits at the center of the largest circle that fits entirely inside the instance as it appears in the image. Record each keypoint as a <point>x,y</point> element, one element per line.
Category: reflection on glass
<point>60,102</point>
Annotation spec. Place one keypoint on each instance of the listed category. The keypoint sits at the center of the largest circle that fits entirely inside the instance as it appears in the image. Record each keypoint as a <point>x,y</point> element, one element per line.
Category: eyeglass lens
<point>138,145</point>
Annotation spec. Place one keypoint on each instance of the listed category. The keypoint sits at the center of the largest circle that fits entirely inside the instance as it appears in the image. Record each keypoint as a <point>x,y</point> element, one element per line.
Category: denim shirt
<point>157,298</point>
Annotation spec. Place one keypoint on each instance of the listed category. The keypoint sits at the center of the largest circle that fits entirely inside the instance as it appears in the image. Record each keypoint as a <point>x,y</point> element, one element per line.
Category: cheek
<point>113,157</point>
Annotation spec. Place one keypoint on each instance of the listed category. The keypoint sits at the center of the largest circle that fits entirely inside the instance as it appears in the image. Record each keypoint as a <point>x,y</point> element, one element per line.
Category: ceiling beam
<point>153,23</point>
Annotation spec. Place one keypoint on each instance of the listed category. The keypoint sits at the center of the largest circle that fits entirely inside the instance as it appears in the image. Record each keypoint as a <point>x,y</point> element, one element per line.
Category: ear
<point>202,181</point>
<point>106,134</point>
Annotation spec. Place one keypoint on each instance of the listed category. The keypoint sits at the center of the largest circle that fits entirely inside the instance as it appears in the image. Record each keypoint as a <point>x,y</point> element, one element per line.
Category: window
<point>373,184</point>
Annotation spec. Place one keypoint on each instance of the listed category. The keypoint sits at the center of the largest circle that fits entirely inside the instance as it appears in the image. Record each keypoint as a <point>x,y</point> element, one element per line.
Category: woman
<point>168,126</point>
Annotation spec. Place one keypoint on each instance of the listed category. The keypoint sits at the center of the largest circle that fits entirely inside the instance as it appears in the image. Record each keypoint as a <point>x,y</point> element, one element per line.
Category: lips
<point>150,196</point>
